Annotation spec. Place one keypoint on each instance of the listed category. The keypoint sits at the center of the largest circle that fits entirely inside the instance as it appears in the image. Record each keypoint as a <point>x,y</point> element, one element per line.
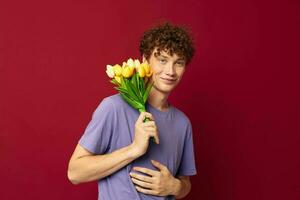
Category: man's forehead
<point>166,54</point>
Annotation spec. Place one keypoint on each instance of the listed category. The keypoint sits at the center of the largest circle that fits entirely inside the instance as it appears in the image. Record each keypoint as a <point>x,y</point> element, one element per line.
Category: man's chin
<point>165,90</point>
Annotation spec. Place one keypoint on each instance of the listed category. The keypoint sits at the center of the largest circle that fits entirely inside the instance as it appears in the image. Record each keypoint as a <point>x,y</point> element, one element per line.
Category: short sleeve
<point>187,165</point>
<point>97,135</point>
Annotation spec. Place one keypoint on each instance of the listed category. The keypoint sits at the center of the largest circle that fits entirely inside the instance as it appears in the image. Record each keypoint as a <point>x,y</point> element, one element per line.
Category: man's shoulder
<point>181,115</point>
<point>114,100</point>
<point>109,104</point>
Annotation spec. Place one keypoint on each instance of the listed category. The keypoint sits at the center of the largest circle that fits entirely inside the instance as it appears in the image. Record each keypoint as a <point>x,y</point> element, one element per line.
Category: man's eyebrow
<point>180,59</point>
<point>163,56</point>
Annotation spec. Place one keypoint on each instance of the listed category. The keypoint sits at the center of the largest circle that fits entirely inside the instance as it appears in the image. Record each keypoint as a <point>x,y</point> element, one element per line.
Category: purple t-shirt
<point>112,127</point>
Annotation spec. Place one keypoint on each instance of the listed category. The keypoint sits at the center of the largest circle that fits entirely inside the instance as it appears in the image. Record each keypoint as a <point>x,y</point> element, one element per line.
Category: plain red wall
<point>241,91</point>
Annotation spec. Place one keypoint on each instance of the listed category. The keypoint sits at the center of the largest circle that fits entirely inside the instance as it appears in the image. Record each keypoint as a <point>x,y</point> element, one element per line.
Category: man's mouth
<point>168,81</point>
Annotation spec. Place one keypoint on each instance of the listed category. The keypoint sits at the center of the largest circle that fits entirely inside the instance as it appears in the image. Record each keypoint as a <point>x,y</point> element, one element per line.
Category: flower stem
<point>152,139</point>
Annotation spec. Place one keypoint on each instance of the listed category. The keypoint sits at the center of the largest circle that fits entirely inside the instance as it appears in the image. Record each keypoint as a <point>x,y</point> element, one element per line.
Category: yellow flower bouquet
<point>132,82</point>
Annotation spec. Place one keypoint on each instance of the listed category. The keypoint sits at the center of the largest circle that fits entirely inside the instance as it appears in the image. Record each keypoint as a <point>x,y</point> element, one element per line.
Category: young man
<point>115,149</point>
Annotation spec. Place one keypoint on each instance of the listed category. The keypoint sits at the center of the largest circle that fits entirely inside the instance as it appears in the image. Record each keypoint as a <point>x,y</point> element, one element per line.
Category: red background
<point>241,91</point>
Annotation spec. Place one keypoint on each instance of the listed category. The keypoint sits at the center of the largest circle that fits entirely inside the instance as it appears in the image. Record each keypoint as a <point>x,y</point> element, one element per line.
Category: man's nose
<point>170,69</point>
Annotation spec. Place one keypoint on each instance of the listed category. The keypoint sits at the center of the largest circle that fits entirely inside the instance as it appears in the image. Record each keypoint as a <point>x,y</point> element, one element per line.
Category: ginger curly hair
<point>169,38</point>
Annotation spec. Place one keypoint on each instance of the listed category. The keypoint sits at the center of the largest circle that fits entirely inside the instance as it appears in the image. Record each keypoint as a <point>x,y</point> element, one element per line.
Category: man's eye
<point>163,61</point>
<point>180,63</point>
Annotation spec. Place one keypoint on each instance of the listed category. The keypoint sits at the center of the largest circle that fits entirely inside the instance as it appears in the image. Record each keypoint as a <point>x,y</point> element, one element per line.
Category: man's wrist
<point>133,152</point>
<point>176,187</point>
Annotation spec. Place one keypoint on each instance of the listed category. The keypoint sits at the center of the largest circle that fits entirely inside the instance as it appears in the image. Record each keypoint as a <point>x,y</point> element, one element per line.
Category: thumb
<point>143,115</point>
<point>158,165</point>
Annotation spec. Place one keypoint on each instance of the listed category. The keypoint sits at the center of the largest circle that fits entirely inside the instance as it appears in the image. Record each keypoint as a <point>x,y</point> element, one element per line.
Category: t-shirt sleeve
<point>187,165</point>
<point>97,135</point>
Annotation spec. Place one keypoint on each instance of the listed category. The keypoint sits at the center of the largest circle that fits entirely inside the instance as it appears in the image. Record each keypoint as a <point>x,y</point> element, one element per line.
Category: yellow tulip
<point>130,62</point>
<point>149,74</point>
<point>117,69</point>
<point>118,78</point>
<point>110,71</point>
<point>137,63</point>
<point>127,72</point>
<point>141,71</point>
<point>146,66</point>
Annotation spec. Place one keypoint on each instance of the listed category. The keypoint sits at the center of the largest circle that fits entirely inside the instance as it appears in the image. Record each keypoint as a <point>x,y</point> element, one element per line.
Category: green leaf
<point>128,100</point>
<point>136,83</point>
<point>133,79</point>
<point>133,103</point>
<point>130,90</point>
<point>123,91</point>
<point>123,82</point>
<point>134,90</point>
<point>114,81</point>
<point>141,84</point>
<point>146,94</point>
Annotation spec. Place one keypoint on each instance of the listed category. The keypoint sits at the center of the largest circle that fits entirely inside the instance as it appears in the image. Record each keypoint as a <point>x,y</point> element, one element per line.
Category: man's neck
<point>158,100</point>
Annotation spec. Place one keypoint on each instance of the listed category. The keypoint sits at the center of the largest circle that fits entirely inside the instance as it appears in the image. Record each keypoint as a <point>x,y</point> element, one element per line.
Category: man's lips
<point>167,80</point>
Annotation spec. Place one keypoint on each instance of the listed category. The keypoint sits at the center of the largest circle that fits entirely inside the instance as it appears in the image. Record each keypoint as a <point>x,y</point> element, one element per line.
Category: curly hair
<point>169,38</point>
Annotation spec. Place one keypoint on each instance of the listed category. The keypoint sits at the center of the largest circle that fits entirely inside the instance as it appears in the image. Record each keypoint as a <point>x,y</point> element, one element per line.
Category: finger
<point>152,132</point>
<point>149,129</point>
<point>143,115</point>
<point>146,191</point>
<point>145,171</point>
<point>149,123</point>
<point>149,116</point>
<point>155,135</point>
<point>142,184</point>
<point>158,165</point>
<point>142,177</point>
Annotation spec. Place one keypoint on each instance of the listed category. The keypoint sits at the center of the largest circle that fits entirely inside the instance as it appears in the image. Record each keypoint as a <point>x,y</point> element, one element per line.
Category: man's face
<point>167,70</point>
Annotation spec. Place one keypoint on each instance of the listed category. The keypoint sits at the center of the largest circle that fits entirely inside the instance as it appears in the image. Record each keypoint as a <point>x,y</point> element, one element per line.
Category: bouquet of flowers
<point>132,82</point>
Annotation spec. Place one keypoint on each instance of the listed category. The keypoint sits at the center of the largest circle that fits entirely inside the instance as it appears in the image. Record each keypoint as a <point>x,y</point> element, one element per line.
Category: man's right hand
<point>143,131</point>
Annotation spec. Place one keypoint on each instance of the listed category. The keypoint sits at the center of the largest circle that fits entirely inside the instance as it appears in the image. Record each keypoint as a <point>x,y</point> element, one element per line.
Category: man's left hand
<point>158,183</point>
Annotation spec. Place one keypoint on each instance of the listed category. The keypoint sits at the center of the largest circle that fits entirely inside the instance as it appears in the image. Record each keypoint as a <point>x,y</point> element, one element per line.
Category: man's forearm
<point>91,168</point>
<point>181,188</point>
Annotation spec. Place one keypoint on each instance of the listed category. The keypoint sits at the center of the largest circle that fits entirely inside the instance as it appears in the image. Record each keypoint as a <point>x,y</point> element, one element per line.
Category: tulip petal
<point>110,71</point>
<point>137,63</point>
<point>117,69</point>
<point>130,62</point>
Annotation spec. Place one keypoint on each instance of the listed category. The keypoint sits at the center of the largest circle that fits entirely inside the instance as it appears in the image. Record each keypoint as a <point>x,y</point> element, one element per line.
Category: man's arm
<point>182,186</point>
<point>84,166</point>
<point>161,182</point>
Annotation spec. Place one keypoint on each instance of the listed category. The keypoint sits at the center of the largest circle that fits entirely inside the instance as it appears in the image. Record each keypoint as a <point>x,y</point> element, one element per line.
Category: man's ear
<point>144,59</point>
